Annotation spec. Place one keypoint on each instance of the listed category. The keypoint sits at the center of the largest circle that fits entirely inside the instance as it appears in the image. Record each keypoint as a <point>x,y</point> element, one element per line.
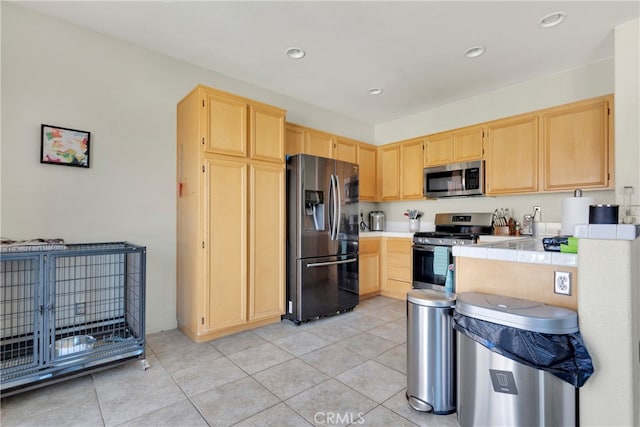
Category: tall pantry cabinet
<point>230,208</point>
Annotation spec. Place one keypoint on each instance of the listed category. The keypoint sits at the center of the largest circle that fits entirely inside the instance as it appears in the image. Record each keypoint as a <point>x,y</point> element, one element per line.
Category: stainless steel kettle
<point>376,221</point>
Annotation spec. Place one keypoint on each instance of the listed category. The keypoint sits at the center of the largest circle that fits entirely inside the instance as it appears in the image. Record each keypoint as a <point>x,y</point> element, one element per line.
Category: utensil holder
<point>501,231</point>
<point>414,225</point>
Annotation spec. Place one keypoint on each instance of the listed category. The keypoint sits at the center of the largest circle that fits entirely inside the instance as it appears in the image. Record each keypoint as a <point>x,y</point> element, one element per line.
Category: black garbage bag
<point>563,355</point>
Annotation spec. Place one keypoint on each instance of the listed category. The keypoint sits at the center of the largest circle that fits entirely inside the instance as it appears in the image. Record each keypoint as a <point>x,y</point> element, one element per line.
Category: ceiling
<point>412,50</point>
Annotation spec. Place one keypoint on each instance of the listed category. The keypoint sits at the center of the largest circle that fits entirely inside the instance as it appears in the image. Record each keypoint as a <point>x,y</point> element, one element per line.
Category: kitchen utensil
<point>603,214</point>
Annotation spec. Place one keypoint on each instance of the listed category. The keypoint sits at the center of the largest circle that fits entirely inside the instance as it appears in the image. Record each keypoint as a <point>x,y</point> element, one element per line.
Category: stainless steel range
<point>432,250</point>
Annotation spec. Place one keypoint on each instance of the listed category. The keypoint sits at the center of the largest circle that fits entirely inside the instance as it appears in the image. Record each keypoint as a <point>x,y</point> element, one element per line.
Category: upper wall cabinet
<point>345,149</point>
<point>400,170</point>
<point>303,140</point>
<point>577,151</point>
<point>411,169</point>
<point>389,172</point>
<point>511,155</point>
<point>267,133</point>
<point>461,145</point>
<point>467,144</point>
<point>227,125</point>
<point>318,143</point>
<point>367,155</point>
<point>294,141</point>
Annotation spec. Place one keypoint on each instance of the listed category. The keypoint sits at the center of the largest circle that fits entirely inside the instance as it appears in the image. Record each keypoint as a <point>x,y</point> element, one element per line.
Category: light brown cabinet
<point>556,149</point>
<point>318,143</point>
<point>462,145</point>
<point>303,140</point>
<point>396,267</point>
<point>266,136</point>
<point>225,268</point>
<point>468,144</point>
<point>367,155</point>
<point>438,149</point>
<point>401,170</point>
<point>266,241</point>
<point>411,169</point>
<point>511,155</point>
<point>389,172</point>
<point>230,259</point>
<point>294,139</point>
<point>369,266</point>
<point>225,126</point>
<point>576,152</point>
<point>345,150</point>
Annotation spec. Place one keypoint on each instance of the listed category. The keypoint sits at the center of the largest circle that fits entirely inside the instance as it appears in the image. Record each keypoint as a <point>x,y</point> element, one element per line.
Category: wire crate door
<point>90,290</point>
<point>21,315</point>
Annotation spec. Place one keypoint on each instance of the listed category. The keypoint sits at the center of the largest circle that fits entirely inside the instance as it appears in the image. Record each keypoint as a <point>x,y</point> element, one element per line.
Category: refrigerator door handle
<point>333,210</point>
<point>338,205</point>
<point>323,264</point>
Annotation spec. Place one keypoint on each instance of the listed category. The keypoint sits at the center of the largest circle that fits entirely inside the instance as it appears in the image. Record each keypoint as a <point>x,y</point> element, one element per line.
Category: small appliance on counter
<point>376,221</point>
<point>603,214</point>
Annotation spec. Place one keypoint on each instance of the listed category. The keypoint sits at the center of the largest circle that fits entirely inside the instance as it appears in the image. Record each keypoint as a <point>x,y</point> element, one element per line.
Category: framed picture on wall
<point>63,146</point>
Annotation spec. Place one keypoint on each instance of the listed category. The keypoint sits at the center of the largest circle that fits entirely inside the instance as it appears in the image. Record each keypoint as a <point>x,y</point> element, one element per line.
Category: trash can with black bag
<point>520,362</point>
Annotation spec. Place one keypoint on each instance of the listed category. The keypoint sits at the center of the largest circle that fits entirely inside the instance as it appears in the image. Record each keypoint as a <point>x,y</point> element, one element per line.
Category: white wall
<point>60,74</point>
<point>608,307</point>
<point>627,78</point>
<point>571,85</point>
<point>627,106</point>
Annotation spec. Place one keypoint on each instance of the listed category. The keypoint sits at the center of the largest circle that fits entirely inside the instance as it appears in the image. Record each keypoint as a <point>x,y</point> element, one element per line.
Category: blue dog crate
<point>69,309</point>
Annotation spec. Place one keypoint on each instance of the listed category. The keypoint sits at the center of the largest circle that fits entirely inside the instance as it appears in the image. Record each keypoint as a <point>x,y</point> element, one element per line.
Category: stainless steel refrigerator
<point>322,237</point>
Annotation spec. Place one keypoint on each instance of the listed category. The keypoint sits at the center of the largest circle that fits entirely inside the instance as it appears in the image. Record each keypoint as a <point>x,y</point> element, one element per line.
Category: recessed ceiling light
<point>375,91</point>
<point>552,19</point>
<point>295,53</point>
<point>474,52</point>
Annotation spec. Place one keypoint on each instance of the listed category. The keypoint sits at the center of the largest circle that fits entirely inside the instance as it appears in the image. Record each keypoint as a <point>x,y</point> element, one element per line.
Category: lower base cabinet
<point>369,273</point>
<point>396,267</point>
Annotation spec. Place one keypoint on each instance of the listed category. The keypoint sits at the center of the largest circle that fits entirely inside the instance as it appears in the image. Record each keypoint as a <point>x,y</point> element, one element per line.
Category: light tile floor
<point>346,369</point>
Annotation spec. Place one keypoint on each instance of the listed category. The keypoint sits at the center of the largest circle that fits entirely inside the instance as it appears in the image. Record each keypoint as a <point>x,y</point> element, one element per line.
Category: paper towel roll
<point>575,210</point>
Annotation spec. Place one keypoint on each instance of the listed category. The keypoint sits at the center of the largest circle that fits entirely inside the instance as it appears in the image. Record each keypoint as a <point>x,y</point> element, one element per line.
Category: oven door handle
<point>428,248</point>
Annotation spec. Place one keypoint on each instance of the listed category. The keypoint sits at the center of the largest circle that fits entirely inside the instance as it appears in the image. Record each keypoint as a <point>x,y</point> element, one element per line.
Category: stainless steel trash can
<point>497,391</point>
<point>431,351</point>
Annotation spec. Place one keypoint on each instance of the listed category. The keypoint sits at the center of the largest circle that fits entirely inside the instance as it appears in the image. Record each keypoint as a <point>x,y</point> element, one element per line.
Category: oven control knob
<point>454,242</point>
<point>441,241</point>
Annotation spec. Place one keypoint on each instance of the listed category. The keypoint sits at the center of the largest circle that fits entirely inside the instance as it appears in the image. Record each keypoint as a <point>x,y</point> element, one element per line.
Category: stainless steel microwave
<point>454,180</point>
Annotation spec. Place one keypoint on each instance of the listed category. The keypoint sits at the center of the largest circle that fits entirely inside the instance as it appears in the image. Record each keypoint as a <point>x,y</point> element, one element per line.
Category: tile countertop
<point>517,249</point>
<point>397,229</point>
<point>365,234</point>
